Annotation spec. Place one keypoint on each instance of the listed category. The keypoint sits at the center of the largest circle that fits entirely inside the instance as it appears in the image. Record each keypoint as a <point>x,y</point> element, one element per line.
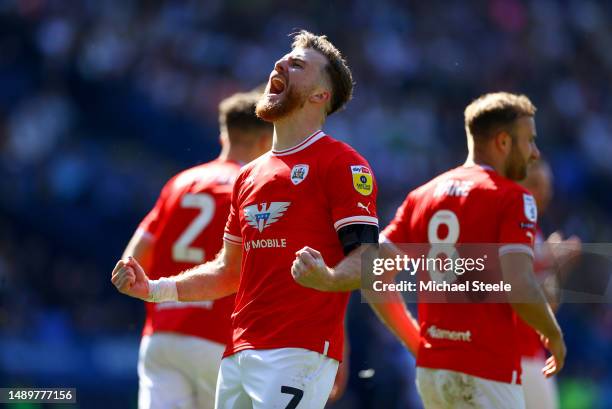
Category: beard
<point>271,111</point>
<point>516,165</point>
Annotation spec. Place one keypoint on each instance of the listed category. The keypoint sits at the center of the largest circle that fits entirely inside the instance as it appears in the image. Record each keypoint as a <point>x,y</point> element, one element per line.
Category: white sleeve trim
<point>516,248</point>
<point>146,234</point>
<point>356,220</point>
<point>231,238</point>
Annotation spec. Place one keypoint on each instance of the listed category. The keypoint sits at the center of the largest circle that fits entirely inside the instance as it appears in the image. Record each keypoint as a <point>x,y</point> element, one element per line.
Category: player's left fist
<point>309,269</point>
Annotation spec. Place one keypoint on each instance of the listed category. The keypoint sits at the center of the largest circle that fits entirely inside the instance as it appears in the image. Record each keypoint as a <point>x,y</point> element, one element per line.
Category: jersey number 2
<point>181,251</point>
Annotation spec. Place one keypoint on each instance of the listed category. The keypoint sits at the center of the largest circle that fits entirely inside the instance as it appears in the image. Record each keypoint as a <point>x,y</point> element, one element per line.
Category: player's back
<point>468,205</point>
<point>187,225</point>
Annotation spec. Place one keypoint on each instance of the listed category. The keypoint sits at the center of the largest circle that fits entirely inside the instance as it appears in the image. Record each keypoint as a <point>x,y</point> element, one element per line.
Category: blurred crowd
<point>102,101</point>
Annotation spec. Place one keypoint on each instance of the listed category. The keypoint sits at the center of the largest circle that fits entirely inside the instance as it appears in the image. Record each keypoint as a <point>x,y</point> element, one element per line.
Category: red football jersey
<point>283,201</point>
<point>476,205</point>
<point>186,226</point>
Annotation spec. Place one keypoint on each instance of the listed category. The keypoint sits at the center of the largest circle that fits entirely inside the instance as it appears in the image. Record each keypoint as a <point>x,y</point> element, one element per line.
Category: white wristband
<point>162,290</point>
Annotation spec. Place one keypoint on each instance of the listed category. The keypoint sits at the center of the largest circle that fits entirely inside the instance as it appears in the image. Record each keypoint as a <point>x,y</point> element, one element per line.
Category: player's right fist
<point>130,279</point>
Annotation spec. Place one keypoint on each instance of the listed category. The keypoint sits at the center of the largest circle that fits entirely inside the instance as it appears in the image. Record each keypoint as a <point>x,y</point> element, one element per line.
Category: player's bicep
<point>232,233</point>
<point>516,263</point>
<point>517,270</point>
<point>231,259</point>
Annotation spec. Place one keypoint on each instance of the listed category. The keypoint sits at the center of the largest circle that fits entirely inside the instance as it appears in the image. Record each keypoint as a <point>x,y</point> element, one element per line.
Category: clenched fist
<point>130,279</point>
<point>309,269</point>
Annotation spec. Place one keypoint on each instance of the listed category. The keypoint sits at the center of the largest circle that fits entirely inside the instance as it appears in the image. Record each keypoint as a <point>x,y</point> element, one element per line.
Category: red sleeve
<point>232,233</point>
<point>518,223</point>
<point>351,189</point>
<point>150,224</point>
<point>399,229</point>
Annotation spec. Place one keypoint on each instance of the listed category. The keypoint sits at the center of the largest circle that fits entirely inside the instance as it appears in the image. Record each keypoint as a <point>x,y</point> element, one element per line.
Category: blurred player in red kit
<point>469,356</point>
<point>310,190</point>
<point>183,343</point>
<point>552,256</point>
<point>472,358</point>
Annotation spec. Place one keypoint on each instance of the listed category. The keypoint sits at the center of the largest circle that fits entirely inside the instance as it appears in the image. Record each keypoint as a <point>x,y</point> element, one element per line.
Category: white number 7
<point>181,250</point>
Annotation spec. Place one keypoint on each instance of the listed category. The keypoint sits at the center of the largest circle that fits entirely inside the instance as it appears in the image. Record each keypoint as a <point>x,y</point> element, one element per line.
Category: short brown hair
<point>237,114</point>
<point>336,69</point>
<point>491,112</point>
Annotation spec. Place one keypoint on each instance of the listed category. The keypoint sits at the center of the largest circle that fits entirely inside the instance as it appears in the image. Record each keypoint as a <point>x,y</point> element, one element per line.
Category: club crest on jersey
<point>260,216</point>
<point>362,179</point>
<point>531,210</point>
<point>299,173</point>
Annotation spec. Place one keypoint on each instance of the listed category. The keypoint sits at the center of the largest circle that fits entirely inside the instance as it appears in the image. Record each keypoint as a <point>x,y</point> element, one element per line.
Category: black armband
<point>354,235</point>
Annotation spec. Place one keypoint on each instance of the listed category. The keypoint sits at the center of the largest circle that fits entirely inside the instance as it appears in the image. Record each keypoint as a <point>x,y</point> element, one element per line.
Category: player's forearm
<point>140,247</point>
<point>206,282</point>
<point>390,306</point>
<point>540,317</point>
<point>537,312</point>
<point>309,269</point>
<point>346,276</point>
<point>392,311</point>
<point>550,289</point>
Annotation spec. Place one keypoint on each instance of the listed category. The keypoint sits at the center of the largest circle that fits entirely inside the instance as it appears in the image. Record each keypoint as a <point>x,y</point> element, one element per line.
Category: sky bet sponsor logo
<point>362,179</point>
